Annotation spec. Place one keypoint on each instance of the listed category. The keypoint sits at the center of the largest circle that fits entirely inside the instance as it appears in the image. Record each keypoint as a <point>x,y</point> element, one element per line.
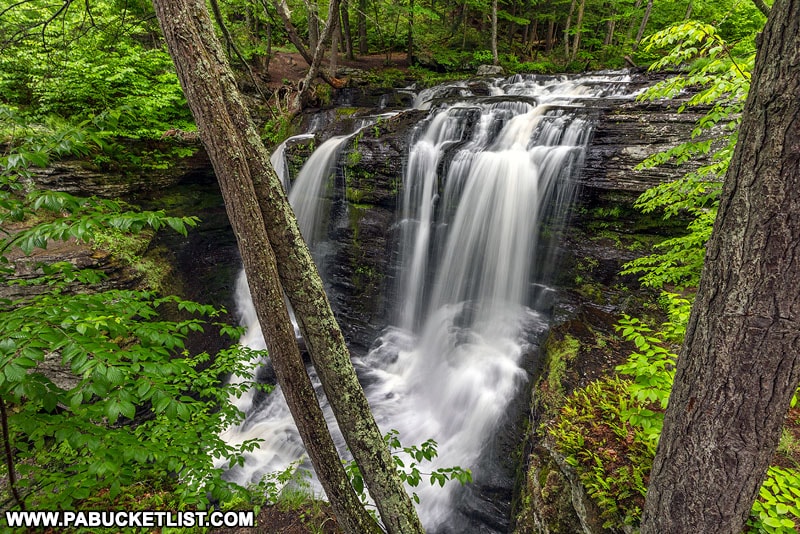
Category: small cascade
<point>278,158</point>
<point>310,194</point>
<point>484,175</point>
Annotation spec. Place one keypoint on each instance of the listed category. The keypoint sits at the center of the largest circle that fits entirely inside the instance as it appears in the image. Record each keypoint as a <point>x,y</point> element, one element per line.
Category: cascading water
<point>483,175</point>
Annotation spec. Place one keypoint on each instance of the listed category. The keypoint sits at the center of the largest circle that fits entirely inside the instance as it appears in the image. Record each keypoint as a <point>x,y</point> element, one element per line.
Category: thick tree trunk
<point>256,201</point>
<point>228,136</point>
<point>740,363</point>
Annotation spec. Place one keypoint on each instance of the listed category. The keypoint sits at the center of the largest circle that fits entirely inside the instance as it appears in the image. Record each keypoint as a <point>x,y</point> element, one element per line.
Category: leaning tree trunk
<point>209,86</point>
<point>647,10</point>
<point>740,363</point>
<point>256,201</point>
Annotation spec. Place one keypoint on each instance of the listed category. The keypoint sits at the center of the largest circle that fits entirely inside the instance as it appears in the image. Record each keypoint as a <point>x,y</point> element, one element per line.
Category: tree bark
<point>295,39</point>
<point>762,6</point>
<point>363,45</point>
<point>740,363</point>
<point>643,25</point>
<point>495,57</point>
<point>567,28</point>
<point>611,24</point>
<point>346,30</point>
<point>410,44</point>
<point>228,136</point>
<point>257,204</point>
<point>314,68</point>
<point>551,30</point>
<point>578,29</point>
<point>313,23</point>
<point>335,34</point>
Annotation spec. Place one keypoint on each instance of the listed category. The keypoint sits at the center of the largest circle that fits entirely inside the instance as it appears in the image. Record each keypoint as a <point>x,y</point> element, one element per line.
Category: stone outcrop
<point>629,132</point>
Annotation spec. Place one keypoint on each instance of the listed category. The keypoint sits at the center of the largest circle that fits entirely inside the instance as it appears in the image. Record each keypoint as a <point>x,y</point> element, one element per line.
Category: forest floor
<point>312,517</point>
<point>290,67</point>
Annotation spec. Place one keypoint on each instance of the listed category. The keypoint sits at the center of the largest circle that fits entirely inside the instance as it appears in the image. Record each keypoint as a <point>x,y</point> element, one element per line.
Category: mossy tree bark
<point>740,363</point>
<point>265,225</point>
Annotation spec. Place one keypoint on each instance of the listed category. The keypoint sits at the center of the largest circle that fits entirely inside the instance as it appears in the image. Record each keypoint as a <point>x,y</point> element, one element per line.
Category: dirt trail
<point>291,67</point>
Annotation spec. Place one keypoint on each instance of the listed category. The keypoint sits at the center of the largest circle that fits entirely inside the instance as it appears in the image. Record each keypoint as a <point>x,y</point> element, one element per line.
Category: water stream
<point>484,176</point>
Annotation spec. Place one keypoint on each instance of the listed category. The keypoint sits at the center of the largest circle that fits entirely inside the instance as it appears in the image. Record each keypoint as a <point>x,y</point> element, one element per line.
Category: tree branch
<point>762,6</point>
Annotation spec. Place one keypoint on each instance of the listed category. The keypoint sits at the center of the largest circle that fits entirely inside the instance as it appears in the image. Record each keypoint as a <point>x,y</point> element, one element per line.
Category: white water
<point>470,256</point>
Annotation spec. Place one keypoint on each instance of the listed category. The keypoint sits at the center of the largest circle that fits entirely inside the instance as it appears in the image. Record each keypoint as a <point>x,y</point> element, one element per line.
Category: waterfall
<point>483,175</point>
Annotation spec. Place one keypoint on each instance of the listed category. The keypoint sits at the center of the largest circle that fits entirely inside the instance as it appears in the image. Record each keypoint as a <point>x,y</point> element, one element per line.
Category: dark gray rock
<point>490,70</point>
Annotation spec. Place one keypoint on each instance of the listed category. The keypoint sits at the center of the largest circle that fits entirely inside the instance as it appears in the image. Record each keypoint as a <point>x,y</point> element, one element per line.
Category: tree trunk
<point>551,30</point>
<point>740,362</point>
<point>611,24</point>
<point>567,28</point>
<point>346,30</point>
<point>578,28</point>
<point>312,60</point>
<point>313,23</point>
<point>410,44</point>
<point>228,137</point>
<point>255,201</point>
<point>465,11</point>
<point>363,45</point>
<point>762,6</point>
<point>334,33</point>
<point>643,25</point>
<point>632,25</point>
<point>495,57</point>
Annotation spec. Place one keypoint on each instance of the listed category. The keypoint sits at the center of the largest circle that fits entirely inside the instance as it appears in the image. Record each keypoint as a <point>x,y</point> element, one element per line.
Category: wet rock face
<point>85,178</point>
<point>362,232</point>
<point>628,133</point>
<point>369,182</point>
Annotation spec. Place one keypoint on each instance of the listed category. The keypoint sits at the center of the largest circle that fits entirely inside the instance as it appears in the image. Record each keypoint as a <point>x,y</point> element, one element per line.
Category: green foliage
<point>720,80</point>
<point>137,405</point>
<point>130,403</point>
<point>277,130</point>
<point>78,67</point>
<point>482,57</point>
<point>559,354</point>
<point>408,460</point>
<point>611,456</point>
<point>652,366</point>
<point>777,508</point>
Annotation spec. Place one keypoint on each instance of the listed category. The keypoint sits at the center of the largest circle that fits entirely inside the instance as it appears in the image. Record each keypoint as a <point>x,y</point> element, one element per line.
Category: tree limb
<point>762,6</point>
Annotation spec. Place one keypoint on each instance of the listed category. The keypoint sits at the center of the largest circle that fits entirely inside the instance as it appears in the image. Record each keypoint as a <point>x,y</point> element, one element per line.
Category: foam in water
<point>482,177</point>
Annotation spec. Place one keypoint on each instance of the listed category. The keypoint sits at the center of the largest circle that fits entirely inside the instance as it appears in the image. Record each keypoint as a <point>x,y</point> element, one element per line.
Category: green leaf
<point>13,372</point>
